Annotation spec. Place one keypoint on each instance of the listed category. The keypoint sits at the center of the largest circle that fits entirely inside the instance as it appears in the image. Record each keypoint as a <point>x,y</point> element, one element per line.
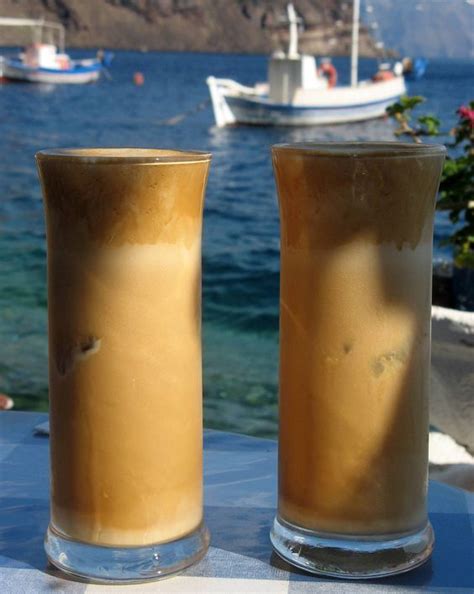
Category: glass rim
<point>120,156</point>
<point>361,149</point>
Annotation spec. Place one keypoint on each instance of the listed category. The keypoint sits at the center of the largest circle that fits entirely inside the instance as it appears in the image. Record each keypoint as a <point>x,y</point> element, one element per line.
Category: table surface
<point>240,497</point>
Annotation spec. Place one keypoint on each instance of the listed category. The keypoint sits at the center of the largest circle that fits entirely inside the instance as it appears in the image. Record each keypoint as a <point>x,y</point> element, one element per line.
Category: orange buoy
<point>138,79</point>
<point>6,403</point>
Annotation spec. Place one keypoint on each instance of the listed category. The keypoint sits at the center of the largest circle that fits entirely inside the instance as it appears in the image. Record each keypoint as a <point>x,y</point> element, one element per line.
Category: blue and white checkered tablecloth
<point>240,490</point>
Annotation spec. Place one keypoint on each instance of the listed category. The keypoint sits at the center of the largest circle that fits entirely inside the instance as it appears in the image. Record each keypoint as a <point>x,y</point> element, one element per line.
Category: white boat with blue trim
<point>46,72</point>
<point>300,94</point>
<point>43,63</point>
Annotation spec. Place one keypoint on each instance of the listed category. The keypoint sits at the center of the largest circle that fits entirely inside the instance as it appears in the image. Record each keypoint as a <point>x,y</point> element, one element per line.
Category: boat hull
<point>326,107</point>
<point>251,112</point>
<point>81,74</point>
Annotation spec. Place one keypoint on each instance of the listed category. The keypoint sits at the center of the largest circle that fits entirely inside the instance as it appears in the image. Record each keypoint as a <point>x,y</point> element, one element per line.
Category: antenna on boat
<point>355,42</point>
<point>293,21</point>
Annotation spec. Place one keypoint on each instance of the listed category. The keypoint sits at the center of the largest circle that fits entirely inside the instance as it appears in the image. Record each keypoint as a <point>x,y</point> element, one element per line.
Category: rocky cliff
<point>191,25</point>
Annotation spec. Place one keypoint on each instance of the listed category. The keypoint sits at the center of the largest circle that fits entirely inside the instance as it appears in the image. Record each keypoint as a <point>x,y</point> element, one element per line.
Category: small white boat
<point>300,94</point>
<point>44,63</point>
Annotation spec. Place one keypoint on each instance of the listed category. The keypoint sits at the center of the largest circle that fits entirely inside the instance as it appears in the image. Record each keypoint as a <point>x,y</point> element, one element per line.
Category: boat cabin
<point>288,74</point>
<point>45,55</point>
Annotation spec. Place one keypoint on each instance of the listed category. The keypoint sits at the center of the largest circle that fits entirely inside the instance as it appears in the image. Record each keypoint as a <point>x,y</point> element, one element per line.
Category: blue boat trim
<point>76,69</point>
<point>252,103</point>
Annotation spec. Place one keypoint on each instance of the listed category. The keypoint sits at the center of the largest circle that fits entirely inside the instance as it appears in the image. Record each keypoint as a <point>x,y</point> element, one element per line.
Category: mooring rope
<point>181,116</point>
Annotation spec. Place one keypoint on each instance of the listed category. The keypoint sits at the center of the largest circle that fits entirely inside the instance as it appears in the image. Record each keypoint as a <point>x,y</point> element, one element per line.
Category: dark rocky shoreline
<point>234,26</point>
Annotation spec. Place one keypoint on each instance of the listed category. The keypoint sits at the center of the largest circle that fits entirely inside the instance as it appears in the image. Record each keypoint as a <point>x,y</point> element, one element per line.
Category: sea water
<point>241,228</point>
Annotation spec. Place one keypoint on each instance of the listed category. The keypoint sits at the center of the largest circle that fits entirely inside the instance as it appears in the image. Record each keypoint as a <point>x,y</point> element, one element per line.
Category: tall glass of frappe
<point>355,304</point>
<point>125,385</point>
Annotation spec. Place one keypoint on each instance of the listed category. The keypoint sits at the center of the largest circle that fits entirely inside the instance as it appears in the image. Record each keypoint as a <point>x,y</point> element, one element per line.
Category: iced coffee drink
<point>124,291</point>
<point>355,302</point>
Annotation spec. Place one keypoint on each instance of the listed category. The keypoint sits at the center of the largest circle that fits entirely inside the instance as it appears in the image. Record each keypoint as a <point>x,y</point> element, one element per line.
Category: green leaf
<point>406,103</point>
<point>411,102</point>
<point>464,260</point>
<point>431,124</point>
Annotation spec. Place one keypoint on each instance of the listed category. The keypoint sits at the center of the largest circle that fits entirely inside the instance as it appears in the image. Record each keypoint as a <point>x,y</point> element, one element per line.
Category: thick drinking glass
<point>355,305</point>
<point>125,384</point>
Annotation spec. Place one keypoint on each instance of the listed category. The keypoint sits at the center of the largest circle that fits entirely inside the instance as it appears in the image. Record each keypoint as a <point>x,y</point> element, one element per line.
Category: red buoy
<point>138,79</point>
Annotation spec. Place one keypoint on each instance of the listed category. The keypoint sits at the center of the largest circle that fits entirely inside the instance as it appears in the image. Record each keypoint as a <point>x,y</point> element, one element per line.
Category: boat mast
<point>355,42</point>
<point>293,21</point>
<point>62,41</point>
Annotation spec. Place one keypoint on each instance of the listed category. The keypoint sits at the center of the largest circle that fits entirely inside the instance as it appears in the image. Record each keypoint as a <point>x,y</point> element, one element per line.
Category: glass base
<point>104,564</point>
<point>352,557</point>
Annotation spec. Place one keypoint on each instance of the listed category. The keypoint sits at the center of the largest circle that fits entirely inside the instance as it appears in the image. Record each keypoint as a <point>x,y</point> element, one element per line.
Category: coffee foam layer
<point>113,204</point>
<point>326,201</point>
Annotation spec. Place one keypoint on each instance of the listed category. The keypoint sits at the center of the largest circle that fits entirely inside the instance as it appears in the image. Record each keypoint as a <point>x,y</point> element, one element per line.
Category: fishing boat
<point>299,93</point>
<point>47,62</point>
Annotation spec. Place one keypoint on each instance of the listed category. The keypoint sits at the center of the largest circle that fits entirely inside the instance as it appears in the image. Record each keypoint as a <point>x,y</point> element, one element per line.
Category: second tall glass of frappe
<point>355,305</point>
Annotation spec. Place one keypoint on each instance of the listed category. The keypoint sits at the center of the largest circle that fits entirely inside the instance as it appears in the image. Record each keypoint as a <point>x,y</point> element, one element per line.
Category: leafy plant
<point>456,191</point>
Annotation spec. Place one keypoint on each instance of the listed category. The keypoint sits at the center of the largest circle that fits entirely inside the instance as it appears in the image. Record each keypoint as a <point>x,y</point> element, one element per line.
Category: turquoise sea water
<point>240,249</point>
